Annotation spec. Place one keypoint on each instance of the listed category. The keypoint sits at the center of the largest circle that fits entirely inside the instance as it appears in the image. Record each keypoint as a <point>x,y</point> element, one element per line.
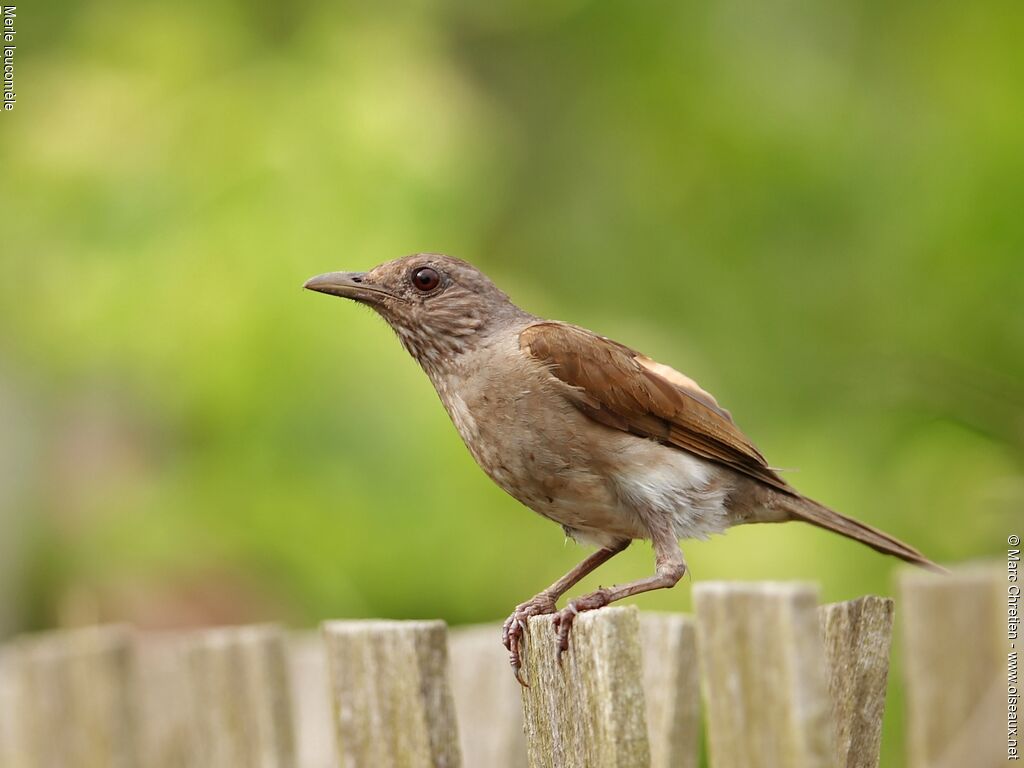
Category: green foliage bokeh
<point>814,210</point>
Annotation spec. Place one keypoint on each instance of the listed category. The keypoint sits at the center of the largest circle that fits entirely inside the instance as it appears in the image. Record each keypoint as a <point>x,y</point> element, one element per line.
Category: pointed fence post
<point>858,638</point>
<point>587,710</point>
<point>391,695</point>
<point>765,683</point>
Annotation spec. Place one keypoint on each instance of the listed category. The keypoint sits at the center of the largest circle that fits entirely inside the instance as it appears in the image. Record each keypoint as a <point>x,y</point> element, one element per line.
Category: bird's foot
<point>513,632</point>
<point>565,617</point>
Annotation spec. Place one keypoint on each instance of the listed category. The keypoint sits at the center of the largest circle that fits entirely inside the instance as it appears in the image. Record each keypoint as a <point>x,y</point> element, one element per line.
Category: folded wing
<point>623,389</point>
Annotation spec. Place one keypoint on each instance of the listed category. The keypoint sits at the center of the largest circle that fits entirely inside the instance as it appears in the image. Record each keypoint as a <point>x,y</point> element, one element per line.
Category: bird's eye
<point>426,279</point>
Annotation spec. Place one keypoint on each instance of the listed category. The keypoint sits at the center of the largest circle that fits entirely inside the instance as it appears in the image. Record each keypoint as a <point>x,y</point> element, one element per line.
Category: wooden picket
<point>954,656</point>
<point>586,708</point>
<point>765,682</point>
<point>391,693</point>
<point>781,681</point>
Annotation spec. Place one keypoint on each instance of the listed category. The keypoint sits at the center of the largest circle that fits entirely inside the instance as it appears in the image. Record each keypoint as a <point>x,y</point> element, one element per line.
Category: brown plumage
<point>585,431</point>
<point>621,388</point>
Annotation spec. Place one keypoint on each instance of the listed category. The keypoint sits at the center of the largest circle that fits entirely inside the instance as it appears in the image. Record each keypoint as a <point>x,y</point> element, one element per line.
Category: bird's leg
<point>512,632</point>
<point>669,569</point>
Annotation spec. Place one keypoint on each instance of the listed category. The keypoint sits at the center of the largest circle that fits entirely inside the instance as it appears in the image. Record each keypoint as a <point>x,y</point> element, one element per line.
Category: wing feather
<point>622,389</point>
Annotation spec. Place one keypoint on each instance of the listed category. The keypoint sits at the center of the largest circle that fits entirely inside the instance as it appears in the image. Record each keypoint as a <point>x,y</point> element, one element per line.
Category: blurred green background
<point>815,210</point>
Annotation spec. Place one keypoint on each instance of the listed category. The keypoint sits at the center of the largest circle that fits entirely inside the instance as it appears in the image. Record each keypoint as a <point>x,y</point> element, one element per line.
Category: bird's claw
<point>564,618</point>
<point>563,625</point>
<point>517,671</point>
<point>513,631</point>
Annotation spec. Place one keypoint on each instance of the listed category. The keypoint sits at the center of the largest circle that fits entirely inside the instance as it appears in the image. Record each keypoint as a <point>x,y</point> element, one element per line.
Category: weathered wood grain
<point>239,698</point>
<point>12,747</point>
<point>857,636</point>
<point>162,701</point>
<point>311,701</point>
<point>72,695</point>
<point>671,688</point>
<point>588,709</point>
<point>391,694</point>
<point>954,656</point>
<point>487,701</point>
<point>764,678</point>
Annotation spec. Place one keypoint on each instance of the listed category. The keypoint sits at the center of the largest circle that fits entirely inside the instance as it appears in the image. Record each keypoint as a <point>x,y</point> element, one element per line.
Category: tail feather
<point>810,511</point>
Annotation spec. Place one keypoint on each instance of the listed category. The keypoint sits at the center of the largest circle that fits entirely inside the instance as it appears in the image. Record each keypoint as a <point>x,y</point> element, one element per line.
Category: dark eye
<point>426,279</point>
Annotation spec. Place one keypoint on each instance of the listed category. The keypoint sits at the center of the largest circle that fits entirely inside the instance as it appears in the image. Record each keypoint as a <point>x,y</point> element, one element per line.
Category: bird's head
<point>438,305</point>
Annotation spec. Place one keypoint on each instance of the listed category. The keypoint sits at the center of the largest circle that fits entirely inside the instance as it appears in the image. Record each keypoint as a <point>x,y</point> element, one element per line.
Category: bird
<point>589,433</point>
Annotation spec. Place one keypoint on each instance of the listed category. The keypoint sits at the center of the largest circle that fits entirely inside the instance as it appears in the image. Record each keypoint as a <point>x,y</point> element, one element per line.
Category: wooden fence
<point>761,676</point>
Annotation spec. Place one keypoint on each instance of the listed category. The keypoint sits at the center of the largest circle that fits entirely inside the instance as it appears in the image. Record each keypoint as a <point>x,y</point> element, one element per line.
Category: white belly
<point>692,491</point>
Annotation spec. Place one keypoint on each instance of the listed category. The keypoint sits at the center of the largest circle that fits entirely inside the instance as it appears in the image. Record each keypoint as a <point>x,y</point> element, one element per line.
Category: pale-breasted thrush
<point>587,432</point>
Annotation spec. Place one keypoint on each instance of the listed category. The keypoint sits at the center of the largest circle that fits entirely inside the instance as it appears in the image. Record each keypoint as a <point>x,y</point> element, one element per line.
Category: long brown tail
<point>810,511</point>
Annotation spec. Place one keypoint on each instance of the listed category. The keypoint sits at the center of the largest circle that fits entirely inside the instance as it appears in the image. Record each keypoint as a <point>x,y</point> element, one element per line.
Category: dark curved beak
<point>348,285</point>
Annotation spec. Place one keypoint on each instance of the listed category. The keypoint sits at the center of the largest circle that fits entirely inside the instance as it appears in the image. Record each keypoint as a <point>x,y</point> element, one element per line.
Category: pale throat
<point>437,352</point>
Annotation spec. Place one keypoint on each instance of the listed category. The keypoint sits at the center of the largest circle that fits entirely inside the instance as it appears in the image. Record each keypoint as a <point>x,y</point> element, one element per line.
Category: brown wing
<point>621,388</point>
